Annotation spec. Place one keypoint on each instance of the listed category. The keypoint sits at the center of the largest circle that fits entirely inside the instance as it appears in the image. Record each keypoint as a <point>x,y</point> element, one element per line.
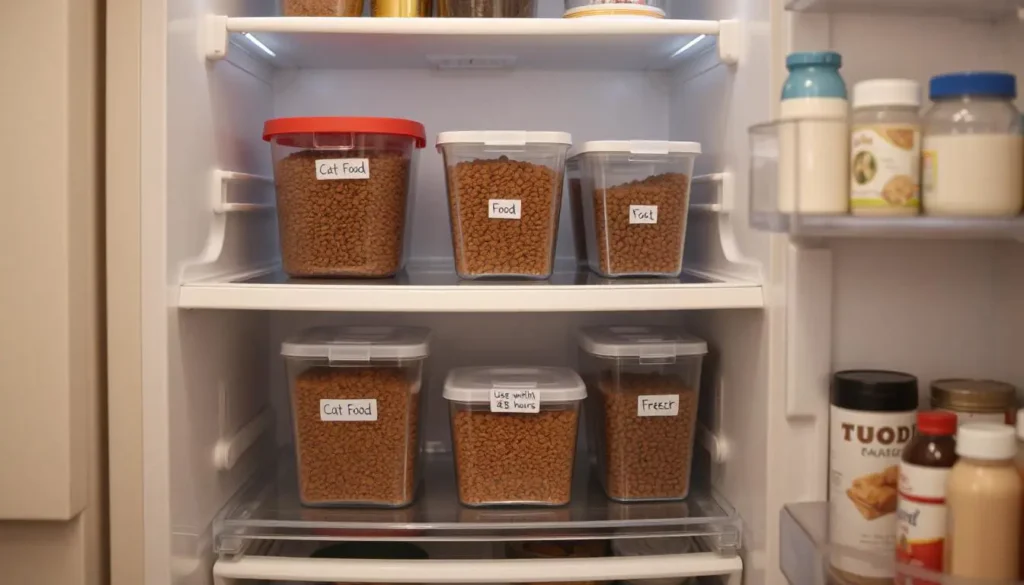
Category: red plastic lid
<point>936,422</point>
<point>328,125</point>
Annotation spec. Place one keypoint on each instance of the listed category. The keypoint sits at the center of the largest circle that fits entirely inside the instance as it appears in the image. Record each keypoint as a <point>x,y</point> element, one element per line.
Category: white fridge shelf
<point>471,43</point>
<point>995,10</point>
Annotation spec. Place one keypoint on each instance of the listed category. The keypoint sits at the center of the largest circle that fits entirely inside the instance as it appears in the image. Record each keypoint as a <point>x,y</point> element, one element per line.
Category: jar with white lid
<point>885,148</point>
<point>972,146</point>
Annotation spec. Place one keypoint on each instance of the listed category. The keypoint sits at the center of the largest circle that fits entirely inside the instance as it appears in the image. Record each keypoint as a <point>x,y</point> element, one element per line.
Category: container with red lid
<point>343,193</point>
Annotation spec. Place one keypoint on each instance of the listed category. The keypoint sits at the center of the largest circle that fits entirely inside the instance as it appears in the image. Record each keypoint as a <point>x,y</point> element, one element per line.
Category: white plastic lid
<point>988,441</point>
<point>615,11</point>
<point>503,137</point>
<point>640,341</point>
<point>887,92</point>
<point>475,384</point>
<point>358,344</point>
<point>665,147</point>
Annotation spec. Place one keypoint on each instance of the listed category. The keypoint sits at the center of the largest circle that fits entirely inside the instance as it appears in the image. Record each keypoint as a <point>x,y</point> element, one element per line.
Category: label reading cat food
<point>921,516</point>
<point>657,405</point>
<point>643,214</point>
<point>885,166</point>
<point>504,209</point>
<point>515,400</point>
<point>335,169</point>
<point>348,410</point>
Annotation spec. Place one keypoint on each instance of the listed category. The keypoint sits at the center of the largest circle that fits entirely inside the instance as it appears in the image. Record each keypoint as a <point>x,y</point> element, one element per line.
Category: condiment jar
<point>885,148</point>
<point>976,400</point>
<point>973,147</point>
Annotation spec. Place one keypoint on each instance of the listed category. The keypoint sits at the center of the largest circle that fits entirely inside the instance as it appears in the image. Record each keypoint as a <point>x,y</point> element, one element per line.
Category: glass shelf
<point>967,9</point>
<point>270,510</point>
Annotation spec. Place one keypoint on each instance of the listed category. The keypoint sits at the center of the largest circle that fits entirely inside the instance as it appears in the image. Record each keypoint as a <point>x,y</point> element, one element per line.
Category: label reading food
<point>921,514</point>
<point>864,457</point>
<point>885,167</point>
<point>348,410</point>
<point>657,405</point>
<point>335,169</point>
<point>643,214</point>
<point>504,209</point>
<point>515,400</point>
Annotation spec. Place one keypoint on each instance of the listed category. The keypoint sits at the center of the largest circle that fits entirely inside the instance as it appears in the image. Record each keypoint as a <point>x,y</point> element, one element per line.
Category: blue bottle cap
<point>973,83</point>
<point>827,58</point>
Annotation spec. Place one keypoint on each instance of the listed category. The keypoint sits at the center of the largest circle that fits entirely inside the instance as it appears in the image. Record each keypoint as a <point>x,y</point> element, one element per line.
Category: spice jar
<point>885,148</point>
<point>976,400</point>
<point>973,147</point>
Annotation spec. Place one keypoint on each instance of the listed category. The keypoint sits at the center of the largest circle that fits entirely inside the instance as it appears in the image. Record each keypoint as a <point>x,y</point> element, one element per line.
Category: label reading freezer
<point>335,169</point>
<point>643,214</point>
<point>508,400</point>
<point>657,405</point>
<point>348,410</point>
<point>504,209</point>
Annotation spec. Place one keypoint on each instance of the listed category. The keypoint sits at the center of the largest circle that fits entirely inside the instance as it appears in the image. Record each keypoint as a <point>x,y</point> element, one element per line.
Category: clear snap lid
<point>640,341</point>
<point>474,384</point>
<point>664,147</point>
<point>503,137</point>
<point>358,343</point>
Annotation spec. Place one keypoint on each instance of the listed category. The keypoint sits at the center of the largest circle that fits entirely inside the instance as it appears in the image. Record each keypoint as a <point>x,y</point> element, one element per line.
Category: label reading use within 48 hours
<point>513,400</point>
<point>643,214</point>
<point>657,405</point>
<point>336,169</point>
<point>504,209</point>
<point>348,410</point>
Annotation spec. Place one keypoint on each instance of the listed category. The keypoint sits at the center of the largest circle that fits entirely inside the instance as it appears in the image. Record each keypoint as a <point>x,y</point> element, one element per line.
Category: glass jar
<point>972,138</point>
<point>976,400</point>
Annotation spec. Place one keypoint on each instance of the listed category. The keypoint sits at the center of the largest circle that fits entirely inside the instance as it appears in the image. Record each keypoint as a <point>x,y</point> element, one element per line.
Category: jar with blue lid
<point>972,146</point>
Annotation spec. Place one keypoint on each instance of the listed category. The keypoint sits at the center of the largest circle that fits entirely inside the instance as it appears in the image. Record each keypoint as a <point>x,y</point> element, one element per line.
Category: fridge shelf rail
<point>990,10</point>
<point>773,210</point>
<point>471,43</point>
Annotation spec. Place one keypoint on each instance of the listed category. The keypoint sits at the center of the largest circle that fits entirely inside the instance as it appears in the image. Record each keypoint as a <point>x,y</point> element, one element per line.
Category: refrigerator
<point>198,413</point>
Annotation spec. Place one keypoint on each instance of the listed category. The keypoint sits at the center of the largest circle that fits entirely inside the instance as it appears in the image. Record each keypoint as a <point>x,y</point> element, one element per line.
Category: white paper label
<point>504,209</point>
<point>643,214</point>
<point>334,169</point>
<point>514,400</point>
<point>348,410</point>
<point>657,405</point>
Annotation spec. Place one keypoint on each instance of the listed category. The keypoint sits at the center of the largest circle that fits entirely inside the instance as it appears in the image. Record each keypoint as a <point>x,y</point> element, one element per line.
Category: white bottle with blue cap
<point>814,136</point>
<point>972,146</point>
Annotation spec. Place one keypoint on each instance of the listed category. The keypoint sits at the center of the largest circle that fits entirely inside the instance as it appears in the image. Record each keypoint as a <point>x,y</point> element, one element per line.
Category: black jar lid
<point>874,390</point>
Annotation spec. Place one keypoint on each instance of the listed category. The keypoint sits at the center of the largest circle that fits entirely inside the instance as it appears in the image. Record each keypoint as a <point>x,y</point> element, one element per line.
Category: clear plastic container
<point>514,433</point>
<point>487,8</point>
<point>322,7</point>
<point>636,195</point>
<point>575,196</point>
<point>643,384</point>
<point>647,547</point>
<point>504,196</point>
<point>615,8</point>
<point>355,406</point>
<point>343,190</point>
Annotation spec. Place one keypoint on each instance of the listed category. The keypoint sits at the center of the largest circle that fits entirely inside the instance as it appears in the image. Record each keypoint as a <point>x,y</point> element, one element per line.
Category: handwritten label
<point>657,405</point>
<point>335,169</point>
<point>643,214</point>
<point>514,400</point>
<point>504,209</point>
<point>348,410</point>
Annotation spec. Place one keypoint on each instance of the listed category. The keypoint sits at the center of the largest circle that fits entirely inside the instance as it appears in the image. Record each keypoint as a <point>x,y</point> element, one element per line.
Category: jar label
<point>921,514</point>
<point>979,417</point>
<point>657,405</point>
<point>335,169</point>
<point>885,166</point>
<point>504,209</point>
<point>360,410</point>
<point>515,400</point>
<point>643,214</point>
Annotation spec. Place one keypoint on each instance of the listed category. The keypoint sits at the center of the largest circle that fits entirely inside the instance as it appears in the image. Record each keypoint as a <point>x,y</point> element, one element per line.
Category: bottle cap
<point>874,390</point>
<point>973,83</point>
<point>805,58</point>
<point>887,92</point>
<point>936,422</point>
<point>988,441</point>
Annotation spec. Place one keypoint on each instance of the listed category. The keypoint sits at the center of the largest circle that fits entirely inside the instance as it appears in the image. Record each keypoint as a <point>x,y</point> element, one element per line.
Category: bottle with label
<point>814,136</point>
<point>921,509</point>
<point>983,499</point>
<point>872,419</point>
<point>885,148</point>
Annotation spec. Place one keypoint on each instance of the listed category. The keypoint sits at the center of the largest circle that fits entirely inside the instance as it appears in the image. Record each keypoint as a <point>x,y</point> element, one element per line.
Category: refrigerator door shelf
<point>966,9</point>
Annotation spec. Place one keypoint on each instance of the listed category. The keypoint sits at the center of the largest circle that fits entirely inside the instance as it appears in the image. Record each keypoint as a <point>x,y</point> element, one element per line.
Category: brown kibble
<point>645,458</point>
<point>515,247</point>
<point>642,249</point>
<point>322,7</point>
<point>368,462</point>
<point>514,458</point>
<point>349,227</point>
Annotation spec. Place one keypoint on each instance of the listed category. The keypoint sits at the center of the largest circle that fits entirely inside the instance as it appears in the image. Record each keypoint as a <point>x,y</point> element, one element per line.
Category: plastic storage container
<point>322,7</point>
<point>504,195</point>
<point>356,404</point>
<point>643,387</point>
<point>487,8</point>
<point>635,199</point>
<point>972,147</point>
<point>575,196</point>
<point>514,433</point>
<point>615,8</point>
<point>343,193</point>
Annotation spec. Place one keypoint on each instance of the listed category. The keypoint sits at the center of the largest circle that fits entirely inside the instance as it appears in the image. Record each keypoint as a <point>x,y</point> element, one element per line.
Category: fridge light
<point>687,46</point>
<point>265,48</point>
